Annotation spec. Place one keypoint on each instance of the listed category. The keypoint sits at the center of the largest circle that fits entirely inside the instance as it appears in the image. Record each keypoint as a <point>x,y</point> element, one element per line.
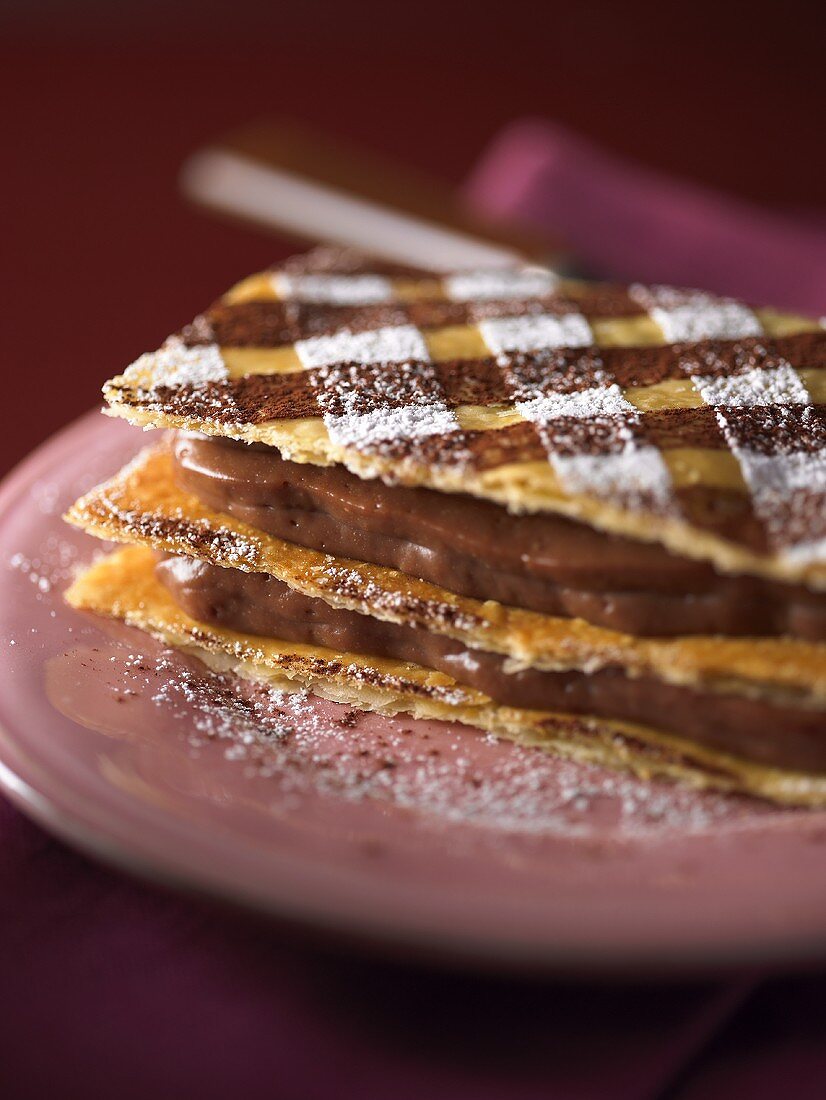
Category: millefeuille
<point>584,516</point>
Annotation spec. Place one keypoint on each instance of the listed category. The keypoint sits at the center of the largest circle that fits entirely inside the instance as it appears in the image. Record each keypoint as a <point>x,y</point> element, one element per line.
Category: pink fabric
<point>623,221</point>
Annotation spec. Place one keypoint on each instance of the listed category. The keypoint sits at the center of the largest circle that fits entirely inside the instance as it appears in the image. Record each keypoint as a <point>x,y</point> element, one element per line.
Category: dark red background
<point>101,102</point>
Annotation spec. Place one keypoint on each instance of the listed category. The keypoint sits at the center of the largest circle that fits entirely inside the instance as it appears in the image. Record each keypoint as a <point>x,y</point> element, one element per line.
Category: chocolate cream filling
<point>476,548</point>
<point>782,735</point>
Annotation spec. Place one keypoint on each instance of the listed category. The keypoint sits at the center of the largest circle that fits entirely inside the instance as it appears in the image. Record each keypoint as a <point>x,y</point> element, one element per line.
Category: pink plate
<point>417,835</point>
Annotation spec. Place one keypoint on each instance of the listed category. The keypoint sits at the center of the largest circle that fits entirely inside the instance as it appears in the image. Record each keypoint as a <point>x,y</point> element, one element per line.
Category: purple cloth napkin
<point>625,222</point>
<point>113,989</point>
<point>776,1046</point>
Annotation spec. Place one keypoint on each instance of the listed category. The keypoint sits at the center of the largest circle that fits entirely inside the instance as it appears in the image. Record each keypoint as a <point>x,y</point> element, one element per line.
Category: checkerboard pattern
<point>654,401</point>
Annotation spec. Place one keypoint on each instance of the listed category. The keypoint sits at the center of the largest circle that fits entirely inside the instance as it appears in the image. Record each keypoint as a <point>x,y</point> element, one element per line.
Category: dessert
<point>578,515</point>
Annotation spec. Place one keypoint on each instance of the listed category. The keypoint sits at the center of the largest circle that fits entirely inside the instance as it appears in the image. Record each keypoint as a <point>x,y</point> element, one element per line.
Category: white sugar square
<point>781,488</point>
<point>635,474</point>
<point>533,333</point>
<point>705,318</point>
<point>601,401</point>
<point>806,553</point>
<point>771,476</point>
<point>175,364</point>
<point>337,290</point>
<point>469,286</point>
<point>383,345</point>
<point>379,425</point>
<point>780,385</point>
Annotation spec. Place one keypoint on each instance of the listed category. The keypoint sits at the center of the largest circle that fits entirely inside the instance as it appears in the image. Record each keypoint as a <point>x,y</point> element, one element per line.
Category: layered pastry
<point>582,516</point>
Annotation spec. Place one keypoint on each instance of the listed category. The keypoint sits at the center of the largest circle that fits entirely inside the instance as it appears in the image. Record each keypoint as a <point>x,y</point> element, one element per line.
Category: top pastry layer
<point>661,414</point>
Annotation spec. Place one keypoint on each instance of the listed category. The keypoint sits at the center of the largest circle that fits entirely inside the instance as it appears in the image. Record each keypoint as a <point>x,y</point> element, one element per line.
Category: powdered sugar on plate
<point>307,747</point>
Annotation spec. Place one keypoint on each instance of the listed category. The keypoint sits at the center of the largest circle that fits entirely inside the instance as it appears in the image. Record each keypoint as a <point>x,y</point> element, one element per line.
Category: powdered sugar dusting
<point>338,290</point>
<point>597,401</point>
<point>367,429</point>
<point>779,385</point>
<point>495,284</point>
<point>393,344</point>
<point>806,553</point>
<point>783,473</point>
<point>363,407</point>
<point>175,364</point>
<point>593,441</point>
<point>779,441</point>
<point>533,332</point>
<point>785,490</point>
<point>214,542</point>
<point>691,315</point>
<point>305,748</point>
<point>400,604</point>
<point>637,476</point>
<point>53,565</point>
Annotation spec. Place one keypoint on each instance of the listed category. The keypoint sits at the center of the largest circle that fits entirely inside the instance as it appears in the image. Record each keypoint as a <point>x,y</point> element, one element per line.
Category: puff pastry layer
<point>124,586</point>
